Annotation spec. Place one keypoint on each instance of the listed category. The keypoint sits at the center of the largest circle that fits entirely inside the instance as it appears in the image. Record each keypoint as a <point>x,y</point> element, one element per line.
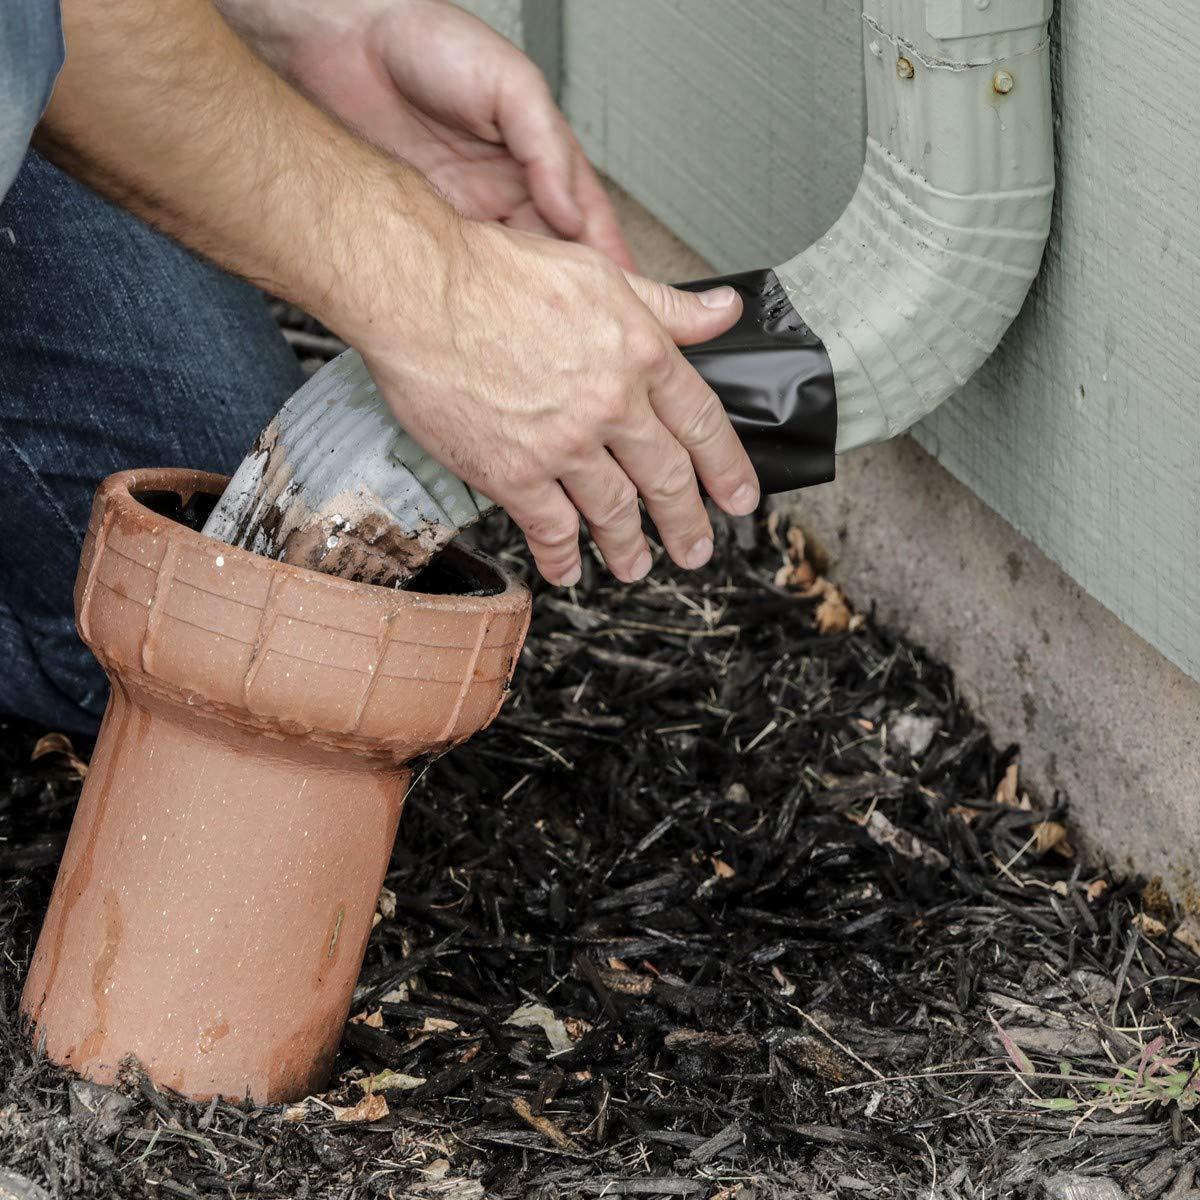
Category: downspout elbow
<point>916,283</point>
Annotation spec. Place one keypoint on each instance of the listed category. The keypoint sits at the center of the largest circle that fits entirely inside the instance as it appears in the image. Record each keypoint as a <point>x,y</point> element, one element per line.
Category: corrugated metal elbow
<point>917,282</point>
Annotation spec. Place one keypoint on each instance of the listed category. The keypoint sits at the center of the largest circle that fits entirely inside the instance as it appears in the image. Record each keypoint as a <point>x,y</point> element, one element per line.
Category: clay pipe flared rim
<point>277,650</point>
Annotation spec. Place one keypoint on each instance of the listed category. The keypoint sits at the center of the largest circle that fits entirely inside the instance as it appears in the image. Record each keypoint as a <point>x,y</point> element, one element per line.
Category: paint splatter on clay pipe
<point>218,887</point>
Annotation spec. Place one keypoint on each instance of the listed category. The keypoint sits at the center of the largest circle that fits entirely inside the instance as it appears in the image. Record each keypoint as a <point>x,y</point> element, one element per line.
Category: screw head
<point>904,68</point>
<point>1003,83</point>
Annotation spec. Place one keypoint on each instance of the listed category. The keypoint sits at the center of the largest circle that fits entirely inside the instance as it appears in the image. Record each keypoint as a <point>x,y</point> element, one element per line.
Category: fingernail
<point>721,297</point>
<point>744,500</point>
<point>641,567</point>
<point>699,554</point>
<point>571,578</point>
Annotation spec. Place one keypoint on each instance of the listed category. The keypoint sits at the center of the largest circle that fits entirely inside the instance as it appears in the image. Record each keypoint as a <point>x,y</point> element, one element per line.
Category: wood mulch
<point>722,905</point>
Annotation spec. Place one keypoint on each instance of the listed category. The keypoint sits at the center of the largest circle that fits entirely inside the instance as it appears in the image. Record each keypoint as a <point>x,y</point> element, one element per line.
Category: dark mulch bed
<point>772,945</point>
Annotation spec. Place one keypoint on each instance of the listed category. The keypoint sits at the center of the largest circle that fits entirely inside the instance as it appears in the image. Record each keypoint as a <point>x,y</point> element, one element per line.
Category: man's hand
<point>538,369</point>
<point>551,380</point>
<point>436,87</point>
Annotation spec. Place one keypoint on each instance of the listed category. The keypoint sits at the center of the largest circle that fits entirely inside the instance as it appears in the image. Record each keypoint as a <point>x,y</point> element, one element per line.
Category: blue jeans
<point>118,349</point>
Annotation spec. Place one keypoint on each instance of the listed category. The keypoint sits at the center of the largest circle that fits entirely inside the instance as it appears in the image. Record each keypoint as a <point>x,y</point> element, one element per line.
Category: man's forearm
<point>162,108</point>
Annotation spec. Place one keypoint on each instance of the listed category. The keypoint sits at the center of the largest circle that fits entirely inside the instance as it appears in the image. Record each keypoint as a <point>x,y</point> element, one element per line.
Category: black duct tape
<point>773,376</point>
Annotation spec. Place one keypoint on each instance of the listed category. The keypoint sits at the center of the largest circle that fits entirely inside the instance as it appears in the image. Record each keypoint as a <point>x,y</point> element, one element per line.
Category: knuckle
<point>572,444</point>
<point>553,533</point>
<point>676,479</point>
<point>612,404</point>
<point>524,475</point>
<point>618,509</point>
<point>647,348</point>
<point>704,424</point>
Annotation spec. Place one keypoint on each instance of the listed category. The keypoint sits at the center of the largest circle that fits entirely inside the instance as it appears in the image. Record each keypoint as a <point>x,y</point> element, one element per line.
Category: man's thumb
<point>689,317</point>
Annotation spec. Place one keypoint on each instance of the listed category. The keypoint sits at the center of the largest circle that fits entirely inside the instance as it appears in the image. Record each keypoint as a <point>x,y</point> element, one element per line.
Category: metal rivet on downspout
<point>904,68</point>
<point>1003,83</point>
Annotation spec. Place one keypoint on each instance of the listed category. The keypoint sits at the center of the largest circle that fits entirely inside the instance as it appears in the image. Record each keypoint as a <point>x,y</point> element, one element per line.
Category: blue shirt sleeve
<point>31,55</point>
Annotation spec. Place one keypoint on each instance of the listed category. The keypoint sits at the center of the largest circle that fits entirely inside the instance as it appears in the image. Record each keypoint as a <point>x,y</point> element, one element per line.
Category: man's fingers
<point>551,527</point>
<point>608,500</point>
<point>666,478</point>
<point>690,410</point>
<point>689,317</point>
<point>601,229</point>
<point>539,138</point>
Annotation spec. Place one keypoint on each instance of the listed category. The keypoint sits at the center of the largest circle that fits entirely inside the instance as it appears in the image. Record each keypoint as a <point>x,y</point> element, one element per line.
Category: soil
<point>736,898</point>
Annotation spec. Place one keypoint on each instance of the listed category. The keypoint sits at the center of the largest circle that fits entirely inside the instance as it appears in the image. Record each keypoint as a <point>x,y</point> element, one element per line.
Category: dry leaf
<point>833,613</point>
<point>576,1027</point>
<point>1006,789</point>
<point>386,904</point>
<point>1188,934</point>
<point>1052,835</point>
<point>295,1112</point>
<point>785,987</point>
<point>369,1108</point>
<point>538,1016</point>
<point>1150,926</point>
<point>389,1081</point>
<point>796,576</point>
<point>1096,889</point>
<point>963,813</point>
<point>59,743</point>
<point>1156,899</point>
<point>373,1019</point>
<point>617,965</point>
<point>723,869</point>
<point>438,1025</point>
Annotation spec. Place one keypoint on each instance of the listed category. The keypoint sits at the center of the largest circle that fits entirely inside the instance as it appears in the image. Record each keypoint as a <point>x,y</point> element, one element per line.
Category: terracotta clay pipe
<point>218,888</point>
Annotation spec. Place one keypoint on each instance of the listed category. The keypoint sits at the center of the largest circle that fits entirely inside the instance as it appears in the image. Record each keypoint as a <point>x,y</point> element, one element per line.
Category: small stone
<point>912,733</point>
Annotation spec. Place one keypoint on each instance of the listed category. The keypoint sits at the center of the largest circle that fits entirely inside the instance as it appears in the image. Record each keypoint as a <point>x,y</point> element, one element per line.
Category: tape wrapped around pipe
<point>774,379</point>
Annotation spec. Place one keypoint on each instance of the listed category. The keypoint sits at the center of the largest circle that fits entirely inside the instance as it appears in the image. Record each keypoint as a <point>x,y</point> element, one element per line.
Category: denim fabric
<point>118,349</point>
<point>31,55</point>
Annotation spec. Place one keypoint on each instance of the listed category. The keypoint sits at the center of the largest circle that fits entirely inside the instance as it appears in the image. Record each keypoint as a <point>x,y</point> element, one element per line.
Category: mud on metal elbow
<point>895,308</point>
